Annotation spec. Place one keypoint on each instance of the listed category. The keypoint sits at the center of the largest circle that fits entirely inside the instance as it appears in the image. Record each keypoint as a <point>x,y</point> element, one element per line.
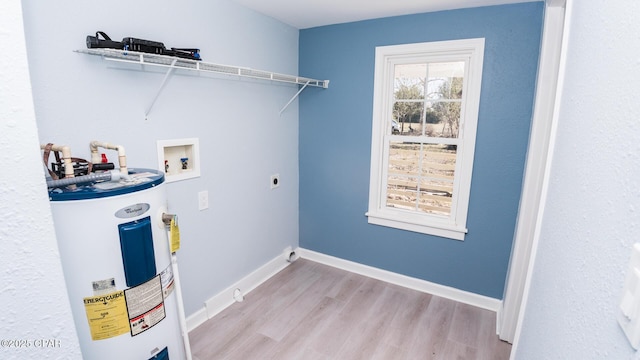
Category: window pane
<point>437,173</point>
<point>439,161</point>
<point>408,106</point>
<point>409,81</point>
<point>445,80</point>
<point>408,118</point>
<point>404,159</point>
<point>404,166</point>
<point>401,192</point>
<point>443,118</point>
<point>436,203</point>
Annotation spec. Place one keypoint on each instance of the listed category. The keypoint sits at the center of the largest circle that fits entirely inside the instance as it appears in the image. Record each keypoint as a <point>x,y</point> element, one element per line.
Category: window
<point>425,114</point>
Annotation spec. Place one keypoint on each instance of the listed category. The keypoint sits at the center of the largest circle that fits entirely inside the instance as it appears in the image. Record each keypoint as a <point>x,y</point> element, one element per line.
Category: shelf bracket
<point>164,81</point>
<point>294,97</point>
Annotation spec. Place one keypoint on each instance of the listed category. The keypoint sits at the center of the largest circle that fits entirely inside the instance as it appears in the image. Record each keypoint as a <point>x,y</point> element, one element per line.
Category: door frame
<point>538,162</point>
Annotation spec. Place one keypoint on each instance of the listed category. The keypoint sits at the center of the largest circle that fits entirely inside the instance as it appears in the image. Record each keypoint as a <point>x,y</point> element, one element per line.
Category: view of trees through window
<point>426,121</point>
<point>428,98</point>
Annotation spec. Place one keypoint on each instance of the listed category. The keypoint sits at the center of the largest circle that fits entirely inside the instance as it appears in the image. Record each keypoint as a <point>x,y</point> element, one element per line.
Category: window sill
<point>442,230</point>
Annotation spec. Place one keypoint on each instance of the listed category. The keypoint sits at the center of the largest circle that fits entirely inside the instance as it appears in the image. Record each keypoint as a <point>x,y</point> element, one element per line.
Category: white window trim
<point>469,50</point>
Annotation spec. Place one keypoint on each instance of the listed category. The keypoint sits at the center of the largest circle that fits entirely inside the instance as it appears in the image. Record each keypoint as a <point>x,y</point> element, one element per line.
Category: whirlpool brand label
<point>132,210</point>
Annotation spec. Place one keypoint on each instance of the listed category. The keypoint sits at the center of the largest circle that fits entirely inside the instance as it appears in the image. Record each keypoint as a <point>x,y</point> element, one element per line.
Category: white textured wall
<point>33,297</point>
<point>243,138</point>
<point>591,218</point>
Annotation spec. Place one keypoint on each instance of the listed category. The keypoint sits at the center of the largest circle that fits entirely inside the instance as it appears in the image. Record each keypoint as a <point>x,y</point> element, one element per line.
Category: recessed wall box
<point>179,159</point>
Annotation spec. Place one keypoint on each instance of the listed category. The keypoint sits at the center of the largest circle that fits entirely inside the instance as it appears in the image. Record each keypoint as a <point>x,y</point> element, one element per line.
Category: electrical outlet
<point>203,200</point>
<point>275,181</point>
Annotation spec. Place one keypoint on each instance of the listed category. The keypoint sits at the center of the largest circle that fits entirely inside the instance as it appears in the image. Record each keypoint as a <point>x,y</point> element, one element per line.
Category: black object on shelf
<point>140,45</point>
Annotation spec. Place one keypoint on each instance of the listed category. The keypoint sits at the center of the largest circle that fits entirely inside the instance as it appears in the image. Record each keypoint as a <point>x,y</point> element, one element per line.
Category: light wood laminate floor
<point>311,311</point>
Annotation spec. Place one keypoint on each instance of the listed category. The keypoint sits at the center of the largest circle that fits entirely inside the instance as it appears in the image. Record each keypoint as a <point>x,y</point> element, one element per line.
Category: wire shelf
<point>194,65</point>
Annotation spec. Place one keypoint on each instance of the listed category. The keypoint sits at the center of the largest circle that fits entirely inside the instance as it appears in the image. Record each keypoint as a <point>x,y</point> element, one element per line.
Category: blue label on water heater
<point>138,259</point>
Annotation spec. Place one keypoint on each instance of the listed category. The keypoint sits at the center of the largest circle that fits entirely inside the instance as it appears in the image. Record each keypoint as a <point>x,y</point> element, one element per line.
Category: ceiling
<point>304,14</point>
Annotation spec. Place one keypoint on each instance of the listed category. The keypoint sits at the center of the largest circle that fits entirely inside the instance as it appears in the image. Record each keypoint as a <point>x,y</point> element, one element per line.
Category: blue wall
<point>335,144</point>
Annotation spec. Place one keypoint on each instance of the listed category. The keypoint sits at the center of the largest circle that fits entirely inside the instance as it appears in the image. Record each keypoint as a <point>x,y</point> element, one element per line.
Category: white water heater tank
<point>117,267</point>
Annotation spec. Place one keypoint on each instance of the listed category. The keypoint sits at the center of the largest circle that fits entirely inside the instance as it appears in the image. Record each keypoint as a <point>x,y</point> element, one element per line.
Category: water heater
<point>117,266</point>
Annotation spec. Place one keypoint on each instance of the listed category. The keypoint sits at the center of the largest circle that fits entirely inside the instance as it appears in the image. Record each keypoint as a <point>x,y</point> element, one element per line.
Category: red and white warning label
<point>145,305</point>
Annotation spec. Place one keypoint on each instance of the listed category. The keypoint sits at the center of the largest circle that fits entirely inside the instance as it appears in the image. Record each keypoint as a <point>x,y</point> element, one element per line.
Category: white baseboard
<point>225,298</point>
<point>462,296</point>
<point>499,317</point>
<point>196,319</point>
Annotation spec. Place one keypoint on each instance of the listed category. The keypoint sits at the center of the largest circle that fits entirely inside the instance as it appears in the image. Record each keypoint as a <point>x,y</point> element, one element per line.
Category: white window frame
<point>471,51</point>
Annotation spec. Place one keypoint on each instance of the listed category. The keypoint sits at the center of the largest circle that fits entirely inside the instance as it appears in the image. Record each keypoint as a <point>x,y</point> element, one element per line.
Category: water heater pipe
<point>166,219</point>
<point>182,319</point>
<point>66,158</point>
<point>95,156</point>
<point>112,175</point>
